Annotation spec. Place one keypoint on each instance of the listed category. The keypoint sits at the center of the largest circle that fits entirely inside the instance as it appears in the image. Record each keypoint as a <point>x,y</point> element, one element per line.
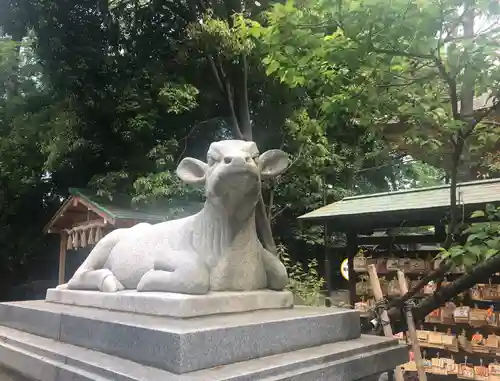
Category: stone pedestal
<point>174,305</point>
<point>64,340</point>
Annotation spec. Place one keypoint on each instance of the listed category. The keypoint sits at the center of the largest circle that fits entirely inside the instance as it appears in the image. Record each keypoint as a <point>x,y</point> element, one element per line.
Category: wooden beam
<point>394,219</point>
<point>405,240</point>
<point>440,231</point>
<point>56,216</point>
<point>105,216</point>
<point>62,257</point>
<point>70,203</point>
<point>400,239</point>
<point>89,223</point>
<point>65,221</point>
<point>326,261</point>
<point>372,223</point>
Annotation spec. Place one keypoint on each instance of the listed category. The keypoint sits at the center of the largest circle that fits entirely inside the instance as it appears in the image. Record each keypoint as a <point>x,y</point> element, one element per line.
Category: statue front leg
<point>103,280</point>
<point>92,275</point>
<point>179,272</point>
<point>277,276</point>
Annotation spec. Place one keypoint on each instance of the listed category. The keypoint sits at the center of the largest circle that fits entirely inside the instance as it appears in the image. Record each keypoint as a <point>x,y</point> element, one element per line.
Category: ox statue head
<point>233,171</point>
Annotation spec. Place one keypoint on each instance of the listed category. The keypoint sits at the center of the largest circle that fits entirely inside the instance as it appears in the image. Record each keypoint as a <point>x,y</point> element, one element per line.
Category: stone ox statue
<point>216,249</point>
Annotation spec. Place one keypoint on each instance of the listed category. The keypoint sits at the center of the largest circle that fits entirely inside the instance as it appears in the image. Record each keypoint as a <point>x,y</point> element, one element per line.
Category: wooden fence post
<point>378,295</point>
<point>412,332</point>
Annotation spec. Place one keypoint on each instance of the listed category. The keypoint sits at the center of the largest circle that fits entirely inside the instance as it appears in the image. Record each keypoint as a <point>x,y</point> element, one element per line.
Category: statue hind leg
<point>179,272</point>
<point>277,277</point>
<point>92,275</point>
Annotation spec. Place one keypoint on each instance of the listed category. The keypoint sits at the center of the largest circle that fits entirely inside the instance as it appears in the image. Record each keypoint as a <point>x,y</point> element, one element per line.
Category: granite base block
<point>10,375</point>
<point>44,359</point>
<point>183,345</point>
<point>174,305</point>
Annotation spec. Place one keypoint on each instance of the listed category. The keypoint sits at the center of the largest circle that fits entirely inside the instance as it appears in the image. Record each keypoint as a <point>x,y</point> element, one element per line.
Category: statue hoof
<point>111,284</point>
<point>62,287</point>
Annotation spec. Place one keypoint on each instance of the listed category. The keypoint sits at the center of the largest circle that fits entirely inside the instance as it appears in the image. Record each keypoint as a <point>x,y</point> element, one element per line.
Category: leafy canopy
<point>403,67</point>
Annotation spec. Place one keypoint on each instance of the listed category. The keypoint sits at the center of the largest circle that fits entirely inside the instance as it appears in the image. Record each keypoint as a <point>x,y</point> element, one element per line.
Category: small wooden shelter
<point>360,216</point>
<point>85,217</point>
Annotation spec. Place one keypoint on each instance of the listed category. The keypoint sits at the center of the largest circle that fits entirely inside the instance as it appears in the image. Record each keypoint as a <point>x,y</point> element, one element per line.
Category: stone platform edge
<point>49,360</point>
<point>174,305</point>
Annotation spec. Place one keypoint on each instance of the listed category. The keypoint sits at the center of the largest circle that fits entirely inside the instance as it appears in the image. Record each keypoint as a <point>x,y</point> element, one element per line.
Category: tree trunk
<point>459,170</point>
<point>242,111</point>
<point>467,95</point>
<point>264,229</point>
<point>232,81</point>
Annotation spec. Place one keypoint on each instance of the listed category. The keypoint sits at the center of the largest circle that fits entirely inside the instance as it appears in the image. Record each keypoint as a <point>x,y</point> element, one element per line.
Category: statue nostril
<point>228,160</point>
<point>248,159</point>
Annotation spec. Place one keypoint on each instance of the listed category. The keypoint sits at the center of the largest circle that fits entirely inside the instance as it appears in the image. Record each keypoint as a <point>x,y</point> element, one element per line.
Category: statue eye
<point>211,161</point>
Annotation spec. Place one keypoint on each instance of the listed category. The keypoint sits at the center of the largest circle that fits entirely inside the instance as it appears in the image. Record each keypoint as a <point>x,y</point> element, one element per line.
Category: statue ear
<point>192,171</point>
<point>273,162</point>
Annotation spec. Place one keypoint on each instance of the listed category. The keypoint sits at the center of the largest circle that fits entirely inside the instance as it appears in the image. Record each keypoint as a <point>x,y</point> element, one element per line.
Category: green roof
<point>394,208</point>
<point>121,207</point>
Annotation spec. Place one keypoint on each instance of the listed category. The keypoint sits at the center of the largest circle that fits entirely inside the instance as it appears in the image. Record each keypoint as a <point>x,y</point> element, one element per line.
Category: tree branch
<point>453,28</point>
<point>398,53</point>
<point>452,227</point>
<point>446,293</point>
<point>224,85</point>
<point>245,122</point>
<point>203,6</point>
<point>433,275</point>
<point>273,216</point>
<point>487,112</point>
<point>271,204</point>
<point>230,100</point>
<point>410,82</point>
<point>448,78</point>
<point>452,86</point>
<point>396,158</point>
<point>264,230</point>
<point>216,74</point>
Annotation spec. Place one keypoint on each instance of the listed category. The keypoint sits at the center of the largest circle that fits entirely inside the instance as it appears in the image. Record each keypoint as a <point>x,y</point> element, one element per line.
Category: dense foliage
<point>112,94</point>
<point>424,71</point>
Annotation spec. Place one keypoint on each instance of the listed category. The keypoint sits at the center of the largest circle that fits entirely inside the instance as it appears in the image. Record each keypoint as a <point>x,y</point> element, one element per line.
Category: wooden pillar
<point>352,250</point>
<point>326,259</point>
<point>327,265</point>
<point>62,257</point>
<point>440,232</point>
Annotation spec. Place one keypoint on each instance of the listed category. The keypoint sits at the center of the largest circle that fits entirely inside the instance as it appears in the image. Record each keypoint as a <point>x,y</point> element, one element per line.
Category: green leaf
<point>272,67</point>
<point>443,255</point>
<point>478,214</point>
<point>476,250</point>
<point>469,261</point>
<point>456,251</point>
<point>493,243</point>
<point>471,237</point>
<point>490,208</point>
<point>490,253</point>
